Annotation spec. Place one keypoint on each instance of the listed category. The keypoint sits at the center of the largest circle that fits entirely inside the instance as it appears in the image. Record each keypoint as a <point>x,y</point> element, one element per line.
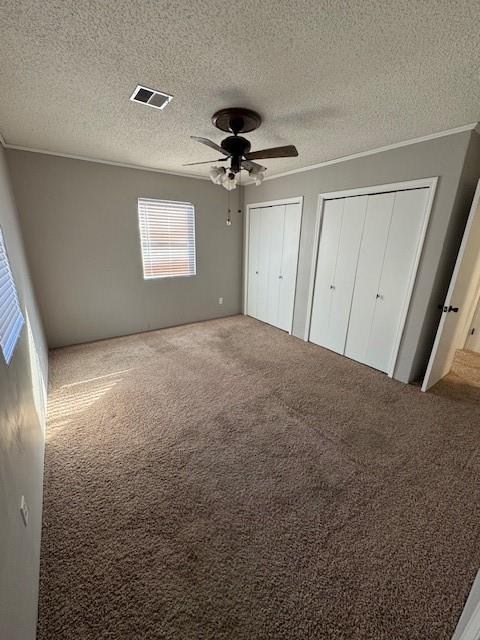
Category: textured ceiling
<point>332,77</point>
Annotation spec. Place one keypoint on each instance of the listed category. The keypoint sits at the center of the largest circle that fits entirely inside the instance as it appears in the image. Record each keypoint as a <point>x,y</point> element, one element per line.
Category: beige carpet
<point>226,481</point>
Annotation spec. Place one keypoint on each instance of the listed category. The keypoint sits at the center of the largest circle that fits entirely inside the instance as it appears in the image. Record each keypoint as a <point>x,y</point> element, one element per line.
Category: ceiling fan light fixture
<point>257,175</point>
<point>217,174</point>
<point>237,149</point>
<point>230,180</point>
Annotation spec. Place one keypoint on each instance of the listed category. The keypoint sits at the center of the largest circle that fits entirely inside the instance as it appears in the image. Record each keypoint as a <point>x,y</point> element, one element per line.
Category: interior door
<point>454,325</point>
<point>402,243</point>
<point>353,221</point>
<point>253,261</point>
<point>263,265</point>
<point>274,219</point>
<point>325,272</point>
<point>369,271</point>
<point>274,233</point>
<point>288,270</point>
<point>473,339</point>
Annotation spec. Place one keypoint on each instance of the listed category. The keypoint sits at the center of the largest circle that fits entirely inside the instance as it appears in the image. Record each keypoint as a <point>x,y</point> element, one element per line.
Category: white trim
<point>370,152</point>
<point>426,384</point>
<point>109,162</point>
<point>380,188</point>
<point>468,626</point>
<point>256,205</point>
<point>275,203</point>
<point>405,143</point>
<point>432,187</point>
<point>313,266</point>
<point>431,184</point>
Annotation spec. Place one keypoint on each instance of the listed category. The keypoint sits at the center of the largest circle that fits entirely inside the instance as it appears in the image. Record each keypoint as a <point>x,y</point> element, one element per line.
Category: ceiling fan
<point>236,149</point>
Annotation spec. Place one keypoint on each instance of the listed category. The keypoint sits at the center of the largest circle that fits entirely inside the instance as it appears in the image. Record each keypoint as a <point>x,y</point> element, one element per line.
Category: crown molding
<point>475,126</point>
<point>123,165</point>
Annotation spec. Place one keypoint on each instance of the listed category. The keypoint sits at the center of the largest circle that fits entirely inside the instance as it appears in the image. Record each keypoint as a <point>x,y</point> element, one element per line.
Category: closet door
<point>274,219</point>
<point>342,227</point>
<point>401,247</point>
<point>325,271</point>
<point>288,270</point>
<point>344,280</point>
<point>263,265</point>
<point>369,271</point>
<point>253,261</point>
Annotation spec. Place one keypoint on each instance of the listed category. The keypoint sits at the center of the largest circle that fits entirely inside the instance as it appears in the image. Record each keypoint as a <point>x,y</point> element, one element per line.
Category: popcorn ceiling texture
<point>224,481</point>
<point>332,77</point>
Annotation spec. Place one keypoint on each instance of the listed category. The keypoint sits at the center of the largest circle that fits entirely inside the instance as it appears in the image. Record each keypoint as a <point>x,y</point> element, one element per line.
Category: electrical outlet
<point>24,510</point>
<point>220,301</point>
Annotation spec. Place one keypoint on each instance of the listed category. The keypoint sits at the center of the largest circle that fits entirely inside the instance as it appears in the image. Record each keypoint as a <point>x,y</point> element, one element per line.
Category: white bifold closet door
<point>272,263</point>
<point>342,226</point>
<point>366,256</point>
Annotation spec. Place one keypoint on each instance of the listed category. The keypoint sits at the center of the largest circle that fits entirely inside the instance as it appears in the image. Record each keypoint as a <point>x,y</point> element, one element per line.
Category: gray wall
<point>461,208</point>
<point>443,157</point>
<point>80,227</point>
<point>21,445</point>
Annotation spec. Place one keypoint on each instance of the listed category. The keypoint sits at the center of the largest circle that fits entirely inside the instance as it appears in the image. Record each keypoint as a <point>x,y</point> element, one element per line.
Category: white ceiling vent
<point>153,98</point>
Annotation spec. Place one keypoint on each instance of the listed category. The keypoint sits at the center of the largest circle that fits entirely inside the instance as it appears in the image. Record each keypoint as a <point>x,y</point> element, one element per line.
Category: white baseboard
<point>468,627</point>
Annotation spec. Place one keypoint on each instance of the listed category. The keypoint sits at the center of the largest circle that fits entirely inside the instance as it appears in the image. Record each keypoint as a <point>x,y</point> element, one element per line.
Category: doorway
<point>461,304</point>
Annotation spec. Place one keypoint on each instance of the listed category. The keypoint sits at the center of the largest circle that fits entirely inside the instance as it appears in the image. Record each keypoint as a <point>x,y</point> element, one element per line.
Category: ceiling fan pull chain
<point>229,220</point>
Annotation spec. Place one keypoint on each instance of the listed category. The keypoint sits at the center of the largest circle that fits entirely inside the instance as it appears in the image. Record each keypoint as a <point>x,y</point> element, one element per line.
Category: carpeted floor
<point>223,480</point>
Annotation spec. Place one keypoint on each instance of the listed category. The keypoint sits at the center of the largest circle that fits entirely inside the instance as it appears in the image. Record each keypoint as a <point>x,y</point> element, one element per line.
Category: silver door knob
<point>332,287</point>
<point>280,277</point>
<point>256,272</point>
<point>379,296</point>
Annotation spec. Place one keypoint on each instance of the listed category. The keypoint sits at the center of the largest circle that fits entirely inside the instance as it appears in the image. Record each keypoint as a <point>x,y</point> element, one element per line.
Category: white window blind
<point>11,319</point>
<point>167,234</point>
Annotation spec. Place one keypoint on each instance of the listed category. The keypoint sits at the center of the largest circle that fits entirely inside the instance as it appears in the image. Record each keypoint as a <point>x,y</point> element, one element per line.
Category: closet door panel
<point>274,217</point>
<point>347,258</point>
<point>288,272</point>
<point>263,265</point>
<point>404,234</point>
<point>253,257</point>
<point>369,269</point>
<point>325,271</point>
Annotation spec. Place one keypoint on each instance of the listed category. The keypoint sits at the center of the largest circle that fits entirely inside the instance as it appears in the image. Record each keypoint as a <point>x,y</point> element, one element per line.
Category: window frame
<point>146,277</point>
<point>19,323</point>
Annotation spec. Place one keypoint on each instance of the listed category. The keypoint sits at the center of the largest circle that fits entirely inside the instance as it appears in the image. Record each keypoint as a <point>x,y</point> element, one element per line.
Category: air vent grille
<point>150,97</point>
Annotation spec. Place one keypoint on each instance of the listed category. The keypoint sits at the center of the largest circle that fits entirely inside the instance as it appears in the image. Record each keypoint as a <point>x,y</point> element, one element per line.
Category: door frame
<point>431,184</point>
<point>246,245</point>
<point>473,317</point>
<point>463,330</point>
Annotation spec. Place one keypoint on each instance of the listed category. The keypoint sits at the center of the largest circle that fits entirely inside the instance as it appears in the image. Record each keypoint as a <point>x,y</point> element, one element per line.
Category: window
<point>167,234</point>
<point>11,319</point>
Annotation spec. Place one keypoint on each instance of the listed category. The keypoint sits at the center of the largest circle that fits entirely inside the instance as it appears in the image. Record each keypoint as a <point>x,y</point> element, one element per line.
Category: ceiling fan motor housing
<point>236,145</point>
<point>236,120</point>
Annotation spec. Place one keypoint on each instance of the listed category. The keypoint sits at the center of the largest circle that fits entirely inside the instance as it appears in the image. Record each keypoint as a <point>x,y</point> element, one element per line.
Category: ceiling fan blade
<point>246,164</point>
<point>211,144</point>
<point>190,164</point>
<point>289,151</point>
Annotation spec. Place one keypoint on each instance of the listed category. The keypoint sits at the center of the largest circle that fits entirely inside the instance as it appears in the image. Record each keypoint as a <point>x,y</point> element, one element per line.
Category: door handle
<point>446,309</point>
<point>332,287</point>
<point>280,277</point>
<point>379,296</point>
